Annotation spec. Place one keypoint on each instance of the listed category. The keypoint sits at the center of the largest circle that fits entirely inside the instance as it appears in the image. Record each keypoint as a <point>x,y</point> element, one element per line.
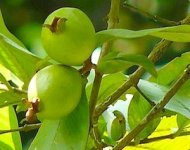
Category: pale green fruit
<point>118,127</point>
<point>58,89</point>
<point>68,36</point>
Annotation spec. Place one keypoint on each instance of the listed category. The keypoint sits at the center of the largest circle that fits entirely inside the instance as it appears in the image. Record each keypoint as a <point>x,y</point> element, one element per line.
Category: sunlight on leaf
<point>17,60</point>
<point>166,127</point>
<point>8,120</point>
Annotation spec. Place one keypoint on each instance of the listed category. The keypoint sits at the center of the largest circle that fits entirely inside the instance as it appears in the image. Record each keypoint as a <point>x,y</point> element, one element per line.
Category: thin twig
<point>155,18</point>
<point>155,55</point>
<point>154,139</point>
<point>155,110</point>
<point>16,90</point>
<point>25,128</point>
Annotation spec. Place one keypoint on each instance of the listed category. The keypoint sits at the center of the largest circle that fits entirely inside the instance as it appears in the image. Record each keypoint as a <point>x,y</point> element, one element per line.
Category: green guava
<point>55,91</point>
<point>68,36</point>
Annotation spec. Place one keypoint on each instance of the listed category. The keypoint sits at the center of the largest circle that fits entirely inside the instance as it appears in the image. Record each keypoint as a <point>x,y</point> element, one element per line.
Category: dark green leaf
<point>115,62</point>
<point>179,33</point>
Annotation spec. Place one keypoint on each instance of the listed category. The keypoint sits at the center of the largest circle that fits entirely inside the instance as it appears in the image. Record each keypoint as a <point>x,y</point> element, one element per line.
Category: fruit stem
<point>87,66</point>
<point>31,112</point>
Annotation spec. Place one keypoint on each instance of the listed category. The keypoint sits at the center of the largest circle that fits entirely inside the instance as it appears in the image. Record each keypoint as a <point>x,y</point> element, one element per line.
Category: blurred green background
<point>24,18</point>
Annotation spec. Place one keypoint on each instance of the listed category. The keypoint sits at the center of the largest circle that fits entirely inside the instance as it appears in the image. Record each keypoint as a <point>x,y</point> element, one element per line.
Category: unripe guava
<point>68,36</point>
<point>118,127</point>
<point>55,91</point>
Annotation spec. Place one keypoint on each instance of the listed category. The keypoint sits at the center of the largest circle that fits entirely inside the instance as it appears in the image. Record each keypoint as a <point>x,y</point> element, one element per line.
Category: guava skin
<point>58,89</point>
<point>73,39</point>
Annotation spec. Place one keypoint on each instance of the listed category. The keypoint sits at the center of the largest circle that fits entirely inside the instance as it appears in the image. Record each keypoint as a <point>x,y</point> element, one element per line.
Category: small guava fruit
<point>118,127</point>
<point>54,92</point>
<point>68,36</point>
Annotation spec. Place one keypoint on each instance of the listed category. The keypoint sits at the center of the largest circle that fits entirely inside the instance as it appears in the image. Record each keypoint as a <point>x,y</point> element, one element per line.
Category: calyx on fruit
<point>54,92</point>
<point>68,36</point>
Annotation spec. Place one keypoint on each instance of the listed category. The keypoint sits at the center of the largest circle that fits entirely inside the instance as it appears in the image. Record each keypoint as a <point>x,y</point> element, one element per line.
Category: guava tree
<point>78,104</point>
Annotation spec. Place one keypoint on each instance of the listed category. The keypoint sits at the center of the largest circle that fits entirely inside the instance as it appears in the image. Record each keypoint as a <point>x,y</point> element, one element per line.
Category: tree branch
<point>25,128</point>
<point>155,110</point>
<point>112,22</point>
<point>155,18</point>
<point>154,56</point>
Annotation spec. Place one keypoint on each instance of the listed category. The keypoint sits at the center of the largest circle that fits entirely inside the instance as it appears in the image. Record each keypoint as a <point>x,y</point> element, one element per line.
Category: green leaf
<point>5,31</point>
<point>182,122</point>
<point>155,92</point>
<point>9,98</point>
<point>109,84</point>
<point>115,62</point>
<point>138,108</point>
<point>172,70</point>
<point>179,33</point>
<point>3,80</point>
<point>17,59</point>
<point>8,120</point>
<point>9,76</point>
<point>70,133</point>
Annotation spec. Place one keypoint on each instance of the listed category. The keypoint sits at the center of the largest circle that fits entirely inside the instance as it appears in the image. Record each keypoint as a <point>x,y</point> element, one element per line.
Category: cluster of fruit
<point>68,37</point>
